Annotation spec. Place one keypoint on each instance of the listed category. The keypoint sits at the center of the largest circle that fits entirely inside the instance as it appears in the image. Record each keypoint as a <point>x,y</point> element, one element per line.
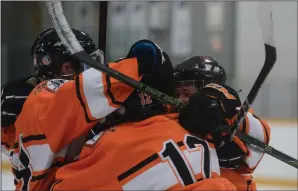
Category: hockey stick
<point>256,144</point>
<point>69,40</point>
<point>266,22</point>
<point>102,31</point>
<point>265,16</point>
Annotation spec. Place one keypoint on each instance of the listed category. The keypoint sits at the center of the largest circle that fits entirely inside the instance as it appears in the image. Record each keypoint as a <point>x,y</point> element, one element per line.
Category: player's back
<point>155,154</point>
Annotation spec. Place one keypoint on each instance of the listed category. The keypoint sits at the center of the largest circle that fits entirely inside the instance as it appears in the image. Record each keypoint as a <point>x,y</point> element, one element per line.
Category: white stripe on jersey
<point>94,93</point>
<point>256,131</point>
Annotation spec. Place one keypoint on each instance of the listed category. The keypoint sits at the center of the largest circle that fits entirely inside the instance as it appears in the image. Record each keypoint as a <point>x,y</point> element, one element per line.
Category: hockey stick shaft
<point>102,31</point>
<point>270,59</point>
<point>267,149</point>
<point>83,56</point>
<point>270,52</point>
<point>266,21</point>
<point>69,40</point>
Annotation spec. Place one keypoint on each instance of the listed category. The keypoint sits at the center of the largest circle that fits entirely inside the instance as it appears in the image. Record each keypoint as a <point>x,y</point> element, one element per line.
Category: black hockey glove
<point>230,155</point>
<point>13,96</point>
<point>225,96</point>
<point>209,109</point>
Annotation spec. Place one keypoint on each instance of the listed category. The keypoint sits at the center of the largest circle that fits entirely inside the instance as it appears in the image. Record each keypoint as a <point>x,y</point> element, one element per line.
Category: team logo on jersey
<point>53,85</point>
<point>46,60</point>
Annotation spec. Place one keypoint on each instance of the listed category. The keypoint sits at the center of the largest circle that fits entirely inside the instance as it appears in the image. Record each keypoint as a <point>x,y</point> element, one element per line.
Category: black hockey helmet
<point>201,70</point>
<point>52,59</point>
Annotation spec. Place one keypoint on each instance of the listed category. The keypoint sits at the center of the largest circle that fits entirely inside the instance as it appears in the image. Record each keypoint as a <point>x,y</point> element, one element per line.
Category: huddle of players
<point>72,128</point>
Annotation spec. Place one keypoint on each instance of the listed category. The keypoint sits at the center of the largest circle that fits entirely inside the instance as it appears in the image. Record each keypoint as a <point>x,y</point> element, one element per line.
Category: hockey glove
<point>209,108</point>
<point>230,155</point>
<point>201,116</point>
<point>13,96</point>
<point>214,106</point>
<point>225,96</point>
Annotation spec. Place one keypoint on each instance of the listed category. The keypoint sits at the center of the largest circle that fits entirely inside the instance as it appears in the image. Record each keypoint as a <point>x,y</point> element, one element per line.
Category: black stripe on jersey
<point>77,80</point>
<point>31,138</point>
<point>42,176</point>
<point>248,183</point>
<point>142,164</point>
<point>264,127</point>
<point>15,181</point>
<point>180,143</point>
<point>138,167</point>
<point>39,177</point>
<point>110,93</point>
<point>5,144</point>
<point>59,164</point>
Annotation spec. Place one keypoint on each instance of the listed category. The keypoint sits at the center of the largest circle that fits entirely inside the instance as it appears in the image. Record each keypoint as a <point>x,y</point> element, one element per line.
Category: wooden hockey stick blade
<point>69,40</point>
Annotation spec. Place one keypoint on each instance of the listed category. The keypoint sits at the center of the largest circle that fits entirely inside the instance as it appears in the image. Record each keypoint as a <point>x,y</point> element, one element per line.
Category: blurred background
<point>228,31</point>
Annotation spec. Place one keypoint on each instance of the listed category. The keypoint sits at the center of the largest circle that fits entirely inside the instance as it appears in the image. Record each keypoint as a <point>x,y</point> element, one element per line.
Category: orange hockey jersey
<point>154,154</point>
<point>56,113</point>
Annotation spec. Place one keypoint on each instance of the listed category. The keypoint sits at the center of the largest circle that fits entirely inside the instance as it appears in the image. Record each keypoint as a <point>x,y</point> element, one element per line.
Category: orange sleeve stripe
<point>247,125</point>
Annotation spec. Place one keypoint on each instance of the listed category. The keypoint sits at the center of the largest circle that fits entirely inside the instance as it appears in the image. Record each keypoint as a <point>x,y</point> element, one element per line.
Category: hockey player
<point>201,80</point>
<point>147,149</point>
<point>59,110</point>
<point>15,93</point>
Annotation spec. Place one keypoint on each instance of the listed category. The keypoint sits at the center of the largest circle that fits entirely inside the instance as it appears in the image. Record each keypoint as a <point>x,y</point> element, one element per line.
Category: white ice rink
<point>271,173</point>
